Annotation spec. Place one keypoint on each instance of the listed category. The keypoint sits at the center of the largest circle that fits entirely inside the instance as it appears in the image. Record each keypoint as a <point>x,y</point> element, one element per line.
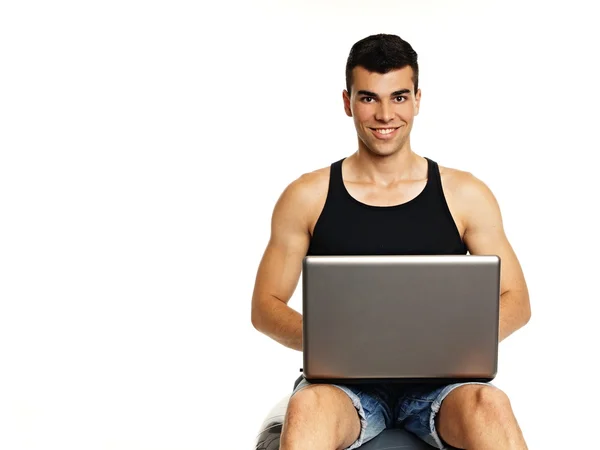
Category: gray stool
<point>270,432</point>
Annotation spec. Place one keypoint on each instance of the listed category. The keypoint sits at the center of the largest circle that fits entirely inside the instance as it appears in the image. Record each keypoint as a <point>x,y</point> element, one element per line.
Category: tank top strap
<point>433,176</point>
<point>336,182</point>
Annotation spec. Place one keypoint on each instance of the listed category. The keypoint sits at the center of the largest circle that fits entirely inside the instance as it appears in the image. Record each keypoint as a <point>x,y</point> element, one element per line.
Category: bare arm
<point>280,268</point>
<point>484,234</point>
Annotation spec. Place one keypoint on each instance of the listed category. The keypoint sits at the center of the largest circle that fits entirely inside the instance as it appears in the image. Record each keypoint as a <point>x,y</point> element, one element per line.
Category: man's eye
<point>367,99</point>
<point>400,99</point>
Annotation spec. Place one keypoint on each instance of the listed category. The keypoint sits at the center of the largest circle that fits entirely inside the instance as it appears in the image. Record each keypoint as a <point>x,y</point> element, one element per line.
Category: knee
<point>323,415</point>
<point>307,400</point>
<point>489,404</point>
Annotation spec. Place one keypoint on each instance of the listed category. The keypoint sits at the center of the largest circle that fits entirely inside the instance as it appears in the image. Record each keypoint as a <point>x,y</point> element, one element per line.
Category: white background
<point>144,144</point>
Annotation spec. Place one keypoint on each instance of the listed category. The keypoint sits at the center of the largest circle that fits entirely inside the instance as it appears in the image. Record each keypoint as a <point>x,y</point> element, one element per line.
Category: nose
<point>384,112</point>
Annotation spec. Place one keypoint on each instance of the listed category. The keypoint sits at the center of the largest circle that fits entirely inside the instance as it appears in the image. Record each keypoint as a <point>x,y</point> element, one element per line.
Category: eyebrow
<point>394,94</point>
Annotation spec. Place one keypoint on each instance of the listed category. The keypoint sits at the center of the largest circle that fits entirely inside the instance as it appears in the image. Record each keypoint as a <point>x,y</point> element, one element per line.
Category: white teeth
<point>385,131</point>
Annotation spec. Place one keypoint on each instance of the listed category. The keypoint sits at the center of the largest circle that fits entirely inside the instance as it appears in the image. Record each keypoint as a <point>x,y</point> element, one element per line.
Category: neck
<point>386,169</point>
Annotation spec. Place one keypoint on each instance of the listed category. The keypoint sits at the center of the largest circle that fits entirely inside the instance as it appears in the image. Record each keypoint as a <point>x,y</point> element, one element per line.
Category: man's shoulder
<point>308,188</point>
<point>460,180</point>
<point>464,186</point>
<point>310,183</point>
<point>453,174</point>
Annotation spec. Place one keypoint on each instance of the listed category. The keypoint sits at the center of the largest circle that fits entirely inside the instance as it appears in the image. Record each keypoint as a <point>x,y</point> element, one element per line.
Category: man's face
<point>383,107</point>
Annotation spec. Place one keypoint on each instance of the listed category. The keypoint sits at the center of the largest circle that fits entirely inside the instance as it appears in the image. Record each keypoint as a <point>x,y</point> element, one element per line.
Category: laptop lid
<point>400,318</point>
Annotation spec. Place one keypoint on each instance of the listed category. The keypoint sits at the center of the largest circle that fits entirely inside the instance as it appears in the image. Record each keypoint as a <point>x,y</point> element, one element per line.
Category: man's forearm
<point>281,323</point>
<point>514,312</point>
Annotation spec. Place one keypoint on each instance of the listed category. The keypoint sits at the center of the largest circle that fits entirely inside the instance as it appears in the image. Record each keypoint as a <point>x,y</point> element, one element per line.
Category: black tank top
<point>421,226</point>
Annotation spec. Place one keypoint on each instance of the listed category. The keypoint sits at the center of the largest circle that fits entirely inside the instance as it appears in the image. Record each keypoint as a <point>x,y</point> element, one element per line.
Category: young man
<point>386,199</point>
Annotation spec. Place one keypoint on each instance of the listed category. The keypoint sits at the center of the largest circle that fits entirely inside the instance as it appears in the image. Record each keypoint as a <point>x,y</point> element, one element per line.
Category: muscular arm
<point>484,235</point>
<point>280,268</point>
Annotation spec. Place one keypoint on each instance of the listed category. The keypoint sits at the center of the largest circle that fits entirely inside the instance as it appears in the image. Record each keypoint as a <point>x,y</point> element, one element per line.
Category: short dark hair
<point>382,53</point>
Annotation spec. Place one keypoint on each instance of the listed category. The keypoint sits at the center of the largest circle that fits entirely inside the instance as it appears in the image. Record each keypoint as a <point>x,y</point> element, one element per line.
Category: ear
<point>346,97</point>
<point>417,101</point>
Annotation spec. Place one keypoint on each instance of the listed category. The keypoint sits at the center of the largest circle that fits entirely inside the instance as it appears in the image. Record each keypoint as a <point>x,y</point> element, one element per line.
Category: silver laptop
<point>400,318</point>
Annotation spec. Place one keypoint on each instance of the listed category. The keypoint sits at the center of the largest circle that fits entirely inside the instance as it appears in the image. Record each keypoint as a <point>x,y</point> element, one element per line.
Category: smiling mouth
<point>384,133</point>
<point>384,130</point>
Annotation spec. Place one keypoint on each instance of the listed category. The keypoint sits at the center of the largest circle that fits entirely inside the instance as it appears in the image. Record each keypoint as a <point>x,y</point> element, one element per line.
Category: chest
<point>381,231</point>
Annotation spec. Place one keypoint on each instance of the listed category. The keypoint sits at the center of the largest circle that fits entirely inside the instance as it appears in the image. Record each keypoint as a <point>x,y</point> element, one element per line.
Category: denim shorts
<point>392,405</point>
